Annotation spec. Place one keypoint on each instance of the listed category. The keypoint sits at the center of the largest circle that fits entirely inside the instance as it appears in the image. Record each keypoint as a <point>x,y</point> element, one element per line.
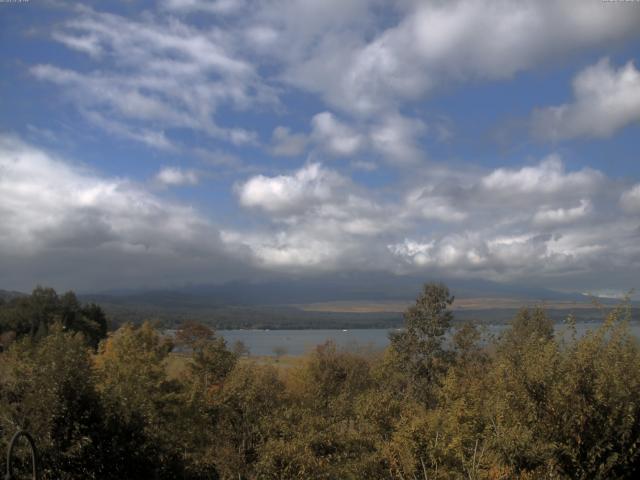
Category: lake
<point>298,342</point>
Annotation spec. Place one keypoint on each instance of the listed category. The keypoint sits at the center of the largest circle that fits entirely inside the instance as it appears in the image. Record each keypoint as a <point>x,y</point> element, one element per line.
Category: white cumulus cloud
<point>549,176</point>
<point>335,136</point>
<point>308,186</point>
<point>173,176</point>
<point>606,100</point>
<point>436,43</point>
<point>551,216</point>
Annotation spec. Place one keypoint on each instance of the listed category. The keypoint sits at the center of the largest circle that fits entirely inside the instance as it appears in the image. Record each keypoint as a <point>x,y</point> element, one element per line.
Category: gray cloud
<point>441,42</point>
<point>62,222</point>
<point>562,226</point>
<point>218,7</point>
<point>334,136</point>
<point>534,222</point>
<point>630,199</point>
<point>396,138</point>
<point>288,144</point>
<point>552,216</point>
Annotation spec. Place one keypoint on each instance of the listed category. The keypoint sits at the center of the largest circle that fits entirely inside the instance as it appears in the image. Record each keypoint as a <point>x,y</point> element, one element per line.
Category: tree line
<point>435,404</point>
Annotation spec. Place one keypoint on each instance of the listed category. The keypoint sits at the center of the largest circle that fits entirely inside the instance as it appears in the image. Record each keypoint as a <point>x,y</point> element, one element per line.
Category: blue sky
<point>157,143</point>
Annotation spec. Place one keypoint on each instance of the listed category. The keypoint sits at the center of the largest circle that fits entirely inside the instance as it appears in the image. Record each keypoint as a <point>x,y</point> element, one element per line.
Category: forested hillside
<point>526,405</point>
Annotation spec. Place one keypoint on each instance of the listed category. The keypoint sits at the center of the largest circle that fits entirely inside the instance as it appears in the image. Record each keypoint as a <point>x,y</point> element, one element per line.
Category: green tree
<point>240,349</point>
<point>320,432</point>
<point>138,396</point>
<point>594,421</point>
<point>245,406</point>
<point>419,349</point>
<point>190,334</point>
<point>34,315</point>
<point>48,388</point>
<point>211,361</point>
<point>89,320</point>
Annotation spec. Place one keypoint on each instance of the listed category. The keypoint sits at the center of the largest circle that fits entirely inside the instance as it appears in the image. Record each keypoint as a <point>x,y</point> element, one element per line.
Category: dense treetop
<point>33,315</point>
<point>438,403</point>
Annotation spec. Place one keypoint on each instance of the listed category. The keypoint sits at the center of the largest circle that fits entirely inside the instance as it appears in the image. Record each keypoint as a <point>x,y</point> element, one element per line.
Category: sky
<point>154,144</point>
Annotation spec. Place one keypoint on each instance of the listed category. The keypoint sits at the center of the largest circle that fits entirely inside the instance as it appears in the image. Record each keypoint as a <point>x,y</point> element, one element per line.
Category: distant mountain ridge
<point>346,301</point>
<point>379,287</point>
<point>304,290</point>
<point>9,294</point>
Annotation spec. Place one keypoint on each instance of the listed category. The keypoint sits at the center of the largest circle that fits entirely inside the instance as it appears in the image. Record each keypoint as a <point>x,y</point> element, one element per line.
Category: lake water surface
<point>298,342</point>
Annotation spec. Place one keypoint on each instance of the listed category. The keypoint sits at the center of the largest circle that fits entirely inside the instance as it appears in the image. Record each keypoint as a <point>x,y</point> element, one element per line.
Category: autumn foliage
<point>441,402</point>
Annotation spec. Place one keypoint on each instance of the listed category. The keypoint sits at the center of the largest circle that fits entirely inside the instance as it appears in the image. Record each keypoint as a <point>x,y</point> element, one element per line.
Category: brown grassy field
<point>483,303</point>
